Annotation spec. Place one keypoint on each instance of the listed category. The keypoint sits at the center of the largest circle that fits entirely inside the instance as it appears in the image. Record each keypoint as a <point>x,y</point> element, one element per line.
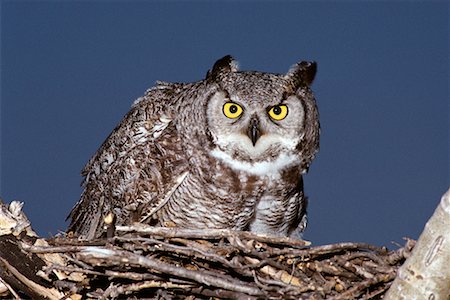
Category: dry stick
<point>69,286</point>
<point>216,234</point>
<point>131,275</point>
<point>264,283</point>
<point>52,249</point>
<point>118,256</point>
<point>280,275</point>
<point>219,293</point>
<point>200,253</point>
<point>352,268</point>
<point>75,261</point>
<point>328,268</point>
<point>10,289</point>
<point>66,241</point>
<point>114,291</point>
<point>192,252</point>
<point>263,258</point>
<point>317,251</point>
<point>367,255</point>
<point>358,288</point>
<point>373,268</point>
<point>281,286</point>
<point>72,269</point>
<point>376,293</point>
<point>398,255</point>
<point>111,256</point>
<point>37,288</point>
<point>296,268</point>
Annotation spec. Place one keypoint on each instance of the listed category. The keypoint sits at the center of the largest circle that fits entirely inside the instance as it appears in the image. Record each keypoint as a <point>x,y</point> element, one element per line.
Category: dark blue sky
<point>70,71</point>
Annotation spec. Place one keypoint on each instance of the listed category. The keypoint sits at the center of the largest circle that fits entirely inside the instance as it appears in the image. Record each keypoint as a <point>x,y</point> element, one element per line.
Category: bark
<point>426,274</point>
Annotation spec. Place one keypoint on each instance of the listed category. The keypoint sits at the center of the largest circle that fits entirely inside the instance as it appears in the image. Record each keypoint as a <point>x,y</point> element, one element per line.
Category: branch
<point>167,232</point>
<point>426,274</point>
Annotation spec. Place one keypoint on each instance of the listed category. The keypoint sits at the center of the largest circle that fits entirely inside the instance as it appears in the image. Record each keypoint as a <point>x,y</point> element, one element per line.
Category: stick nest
<point>168,263</point>
<point>141,261</point>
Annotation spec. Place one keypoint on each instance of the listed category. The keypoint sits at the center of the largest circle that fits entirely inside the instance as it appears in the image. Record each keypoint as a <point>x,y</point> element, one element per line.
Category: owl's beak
<point>253,130</point>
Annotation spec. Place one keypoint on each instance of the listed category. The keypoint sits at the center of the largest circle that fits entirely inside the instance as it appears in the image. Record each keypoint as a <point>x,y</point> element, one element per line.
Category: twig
<point>10,289</point>
<point>37,288</point>
<point>115,291</point>
<point>167,232</point>
<point>118,256</point>
<point>190,252</point>
<point>358,288</point>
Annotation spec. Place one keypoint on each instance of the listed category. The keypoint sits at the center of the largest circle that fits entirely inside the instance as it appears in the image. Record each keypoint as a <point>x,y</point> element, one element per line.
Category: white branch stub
<point>426,274</point>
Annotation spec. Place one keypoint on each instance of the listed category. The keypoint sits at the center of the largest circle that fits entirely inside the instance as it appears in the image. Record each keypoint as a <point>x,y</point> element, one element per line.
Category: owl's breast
<point>267,196</point>
<point>213,196</point>
<point>216,194</point>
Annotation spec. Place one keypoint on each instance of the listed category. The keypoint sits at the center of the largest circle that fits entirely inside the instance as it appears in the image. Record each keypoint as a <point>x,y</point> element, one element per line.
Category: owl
<point>226,152</point>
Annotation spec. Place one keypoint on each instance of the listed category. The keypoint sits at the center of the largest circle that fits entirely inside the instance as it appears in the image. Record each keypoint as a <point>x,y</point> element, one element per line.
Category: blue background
<point>70,71</point>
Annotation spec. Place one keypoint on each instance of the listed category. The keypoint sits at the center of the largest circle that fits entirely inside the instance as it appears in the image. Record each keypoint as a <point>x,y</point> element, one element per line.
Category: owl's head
<point>263,120</point>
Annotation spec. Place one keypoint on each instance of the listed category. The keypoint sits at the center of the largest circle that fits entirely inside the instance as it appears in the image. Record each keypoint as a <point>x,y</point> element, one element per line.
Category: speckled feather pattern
<point>158,165</point>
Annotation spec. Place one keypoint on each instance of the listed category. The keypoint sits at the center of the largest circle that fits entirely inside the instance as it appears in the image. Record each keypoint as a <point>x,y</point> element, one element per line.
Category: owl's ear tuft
<point>302,72</point>
<point>224,65</point>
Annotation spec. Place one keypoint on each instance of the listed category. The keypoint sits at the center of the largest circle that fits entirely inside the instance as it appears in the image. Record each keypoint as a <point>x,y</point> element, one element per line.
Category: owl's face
<point>255,117</point>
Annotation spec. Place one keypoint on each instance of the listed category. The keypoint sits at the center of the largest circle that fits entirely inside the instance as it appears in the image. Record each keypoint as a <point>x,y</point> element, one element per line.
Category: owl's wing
<point>136,169</point>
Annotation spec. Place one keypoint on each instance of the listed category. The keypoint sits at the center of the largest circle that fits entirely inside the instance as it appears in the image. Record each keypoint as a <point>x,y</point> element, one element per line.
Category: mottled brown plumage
<point>210,154</point>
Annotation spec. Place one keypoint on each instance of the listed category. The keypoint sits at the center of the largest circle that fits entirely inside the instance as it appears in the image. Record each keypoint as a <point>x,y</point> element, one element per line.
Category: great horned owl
<point>228,151</point>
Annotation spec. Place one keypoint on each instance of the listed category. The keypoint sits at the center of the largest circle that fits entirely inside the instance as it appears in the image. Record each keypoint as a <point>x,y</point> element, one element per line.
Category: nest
<point>168,263</point>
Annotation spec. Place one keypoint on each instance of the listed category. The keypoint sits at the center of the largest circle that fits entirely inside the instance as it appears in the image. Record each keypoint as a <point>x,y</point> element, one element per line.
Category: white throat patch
<point>265,141</point>
<point>263,168</point>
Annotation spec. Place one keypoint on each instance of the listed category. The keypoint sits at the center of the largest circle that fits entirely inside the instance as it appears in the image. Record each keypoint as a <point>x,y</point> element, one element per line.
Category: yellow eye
<point>232,110</point>
<point>278,112</point>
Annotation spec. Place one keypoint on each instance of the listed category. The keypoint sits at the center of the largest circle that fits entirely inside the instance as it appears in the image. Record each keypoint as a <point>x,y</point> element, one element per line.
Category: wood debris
<point>169,263</point>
